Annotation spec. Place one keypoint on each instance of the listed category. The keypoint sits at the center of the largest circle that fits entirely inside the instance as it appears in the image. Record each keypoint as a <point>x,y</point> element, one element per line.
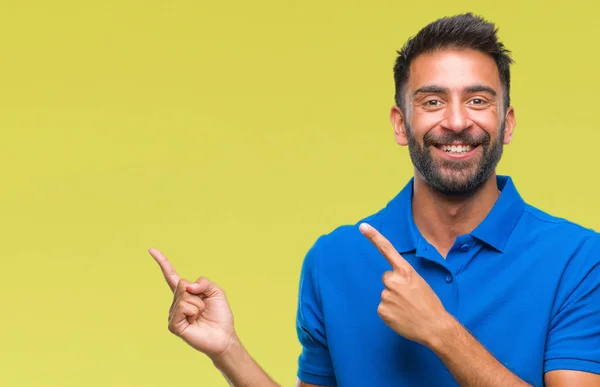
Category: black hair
<point>464,31</point>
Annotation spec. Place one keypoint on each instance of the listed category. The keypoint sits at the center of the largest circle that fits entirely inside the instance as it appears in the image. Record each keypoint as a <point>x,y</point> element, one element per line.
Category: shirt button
<point>448,278</point>
<point>464,247</point>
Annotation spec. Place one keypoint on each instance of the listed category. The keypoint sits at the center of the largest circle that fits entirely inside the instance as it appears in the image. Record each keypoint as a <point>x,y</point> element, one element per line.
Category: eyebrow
<point>443,90</point>
<point>480,89</point>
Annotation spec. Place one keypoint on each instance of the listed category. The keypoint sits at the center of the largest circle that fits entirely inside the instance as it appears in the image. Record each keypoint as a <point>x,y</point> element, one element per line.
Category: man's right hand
<point>201,316</point>
<point>200,313</point>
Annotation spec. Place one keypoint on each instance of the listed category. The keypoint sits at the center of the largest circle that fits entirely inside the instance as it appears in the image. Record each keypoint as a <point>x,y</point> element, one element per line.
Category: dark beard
<point>469,182</point>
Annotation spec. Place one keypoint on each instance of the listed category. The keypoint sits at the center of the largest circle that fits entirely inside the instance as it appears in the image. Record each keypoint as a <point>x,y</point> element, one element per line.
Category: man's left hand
<point>408,304</point>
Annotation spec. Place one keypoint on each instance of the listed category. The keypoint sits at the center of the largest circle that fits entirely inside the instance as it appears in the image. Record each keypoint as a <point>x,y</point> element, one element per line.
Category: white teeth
<point>457,148</point>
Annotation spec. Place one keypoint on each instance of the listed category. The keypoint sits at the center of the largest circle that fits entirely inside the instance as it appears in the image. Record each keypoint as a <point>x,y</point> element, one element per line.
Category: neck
<point>441,218</point>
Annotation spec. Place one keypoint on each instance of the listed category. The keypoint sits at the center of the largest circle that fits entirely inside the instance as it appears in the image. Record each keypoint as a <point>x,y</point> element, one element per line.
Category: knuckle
<point>384,295</point>
<point>406,272</point>
<point>391,280</point>
<point>181,305</point>
<point>195,301</point>
<point>181,285</point>
<point>386,278</point>
<point>184,282</point>
<point>384,246</point>
<point>186,296</point>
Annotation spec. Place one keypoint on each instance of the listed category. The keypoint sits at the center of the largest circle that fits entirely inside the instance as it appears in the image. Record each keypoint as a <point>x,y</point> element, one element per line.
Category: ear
<point>510,124</point>
<point>397,119</point>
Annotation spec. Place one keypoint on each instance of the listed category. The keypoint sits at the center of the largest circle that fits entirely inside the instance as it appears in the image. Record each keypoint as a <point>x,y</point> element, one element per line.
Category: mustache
<point>432,139</point>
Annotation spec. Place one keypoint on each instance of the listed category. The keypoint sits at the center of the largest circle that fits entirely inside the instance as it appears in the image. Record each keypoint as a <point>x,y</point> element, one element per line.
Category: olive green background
<point>230,135</point>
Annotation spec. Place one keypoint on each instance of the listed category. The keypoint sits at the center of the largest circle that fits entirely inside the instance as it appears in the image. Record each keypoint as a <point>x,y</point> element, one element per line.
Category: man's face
<point>455,124</point>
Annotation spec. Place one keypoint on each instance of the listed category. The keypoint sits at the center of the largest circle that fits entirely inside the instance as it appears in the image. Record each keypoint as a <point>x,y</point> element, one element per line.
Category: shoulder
<point>545,218</point>
<point>345,241</point>
<point>539,221</point>
<point>345,237</point>
<point>560,233</point>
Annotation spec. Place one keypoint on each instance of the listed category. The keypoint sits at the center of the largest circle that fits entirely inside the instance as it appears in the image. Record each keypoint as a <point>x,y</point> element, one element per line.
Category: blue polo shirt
<point>524,283</point>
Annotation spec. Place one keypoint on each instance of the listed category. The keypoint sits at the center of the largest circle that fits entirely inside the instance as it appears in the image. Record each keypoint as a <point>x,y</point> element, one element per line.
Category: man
<point>457,280</point>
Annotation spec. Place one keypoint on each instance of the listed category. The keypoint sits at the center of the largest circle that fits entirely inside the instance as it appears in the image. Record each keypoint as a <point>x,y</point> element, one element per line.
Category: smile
<point>457,151</point>
<point>456,148</point>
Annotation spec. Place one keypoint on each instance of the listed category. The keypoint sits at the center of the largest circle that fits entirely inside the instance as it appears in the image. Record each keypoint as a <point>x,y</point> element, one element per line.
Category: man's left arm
<point>412,309</point>
<point>572,356</point>
<point>473,365</point>
<point>568,378</point>
<point>467,360</point>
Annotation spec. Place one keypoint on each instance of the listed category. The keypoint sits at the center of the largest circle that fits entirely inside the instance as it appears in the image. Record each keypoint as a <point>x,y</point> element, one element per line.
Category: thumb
<point>205,287</point>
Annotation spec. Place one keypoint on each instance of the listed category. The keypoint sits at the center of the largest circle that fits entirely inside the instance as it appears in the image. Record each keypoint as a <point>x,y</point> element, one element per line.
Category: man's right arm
<point>201,316</point>
<point>300,383</point>
<point>241,370</point>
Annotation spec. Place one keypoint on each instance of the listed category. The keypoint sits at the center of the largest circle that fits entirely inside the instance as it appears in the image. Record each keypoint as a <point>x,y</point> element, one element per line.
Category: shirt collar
<point>399,228</point>
<point>499,224</point>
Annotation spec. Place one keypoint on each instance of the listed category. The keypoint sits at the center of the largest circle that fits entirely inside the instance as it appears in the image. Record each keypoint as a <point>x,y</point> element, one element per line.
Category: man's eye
<point>478,101</point>
<point>433,102</point>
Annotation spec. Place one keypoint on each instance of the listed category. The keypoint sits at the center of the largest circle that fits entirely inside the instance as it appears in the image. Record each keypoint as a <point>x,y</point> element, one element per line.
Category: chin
<point>456,183</point>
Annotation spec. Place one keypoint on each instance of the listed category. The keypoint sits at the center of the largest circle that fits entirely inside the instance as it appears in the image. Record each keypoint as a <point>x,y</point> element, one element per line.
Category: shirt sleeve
<point>573,341</point>
<point>314,363</point>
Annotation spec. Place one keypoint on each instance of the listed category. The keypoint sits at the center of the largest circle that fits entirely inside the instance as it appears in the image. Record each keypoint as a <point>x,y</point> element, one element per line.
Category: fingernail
<point>364,227</point>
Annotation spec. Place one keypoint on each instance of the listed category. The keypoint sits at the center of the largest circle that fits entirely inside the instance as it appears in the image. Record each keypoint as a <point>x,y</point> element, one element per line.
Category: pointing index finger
<point>385,247</point>
<point>168,270</point>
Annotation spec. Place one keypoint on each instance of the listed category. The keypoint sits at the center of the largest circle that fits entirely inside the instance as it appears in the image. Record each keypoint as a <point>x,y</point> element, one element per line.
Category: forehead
<point>454,69</point>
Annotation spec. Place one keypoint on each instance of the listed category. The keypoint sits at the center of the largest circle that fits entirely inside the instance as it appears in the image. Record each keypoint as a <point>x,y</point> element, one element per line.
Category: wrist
<point>238,367</point>
<point>230,355</point>
<point>446,329</point>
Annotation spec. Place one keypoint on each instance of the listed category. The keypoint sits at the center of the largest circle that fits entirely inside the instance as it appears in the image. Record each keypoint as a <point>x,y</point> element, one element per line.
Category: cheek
<point>423,123</point>
<point>487,121</point>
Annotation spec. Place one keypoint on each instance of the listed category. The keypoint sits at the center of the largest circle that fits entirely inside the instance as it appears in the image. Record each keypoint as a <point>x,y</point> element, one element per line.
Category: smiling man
<point>457,280</point>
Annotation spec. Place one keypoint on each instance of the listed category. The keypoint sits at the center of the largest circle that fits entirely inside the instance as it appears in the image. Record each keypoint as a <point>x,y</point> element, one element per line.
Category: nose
<point>456,118</point>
